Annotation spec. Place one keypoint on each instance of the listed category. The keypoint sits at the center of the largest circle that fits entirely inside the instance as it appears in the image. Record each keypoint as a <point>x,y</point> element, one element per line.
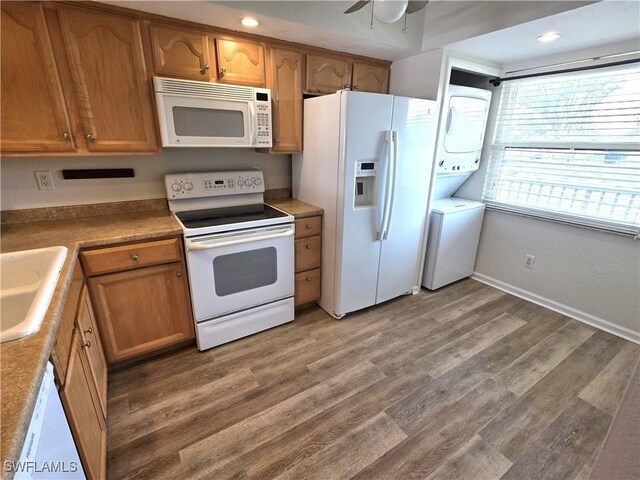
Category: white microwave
<point>202,114</point>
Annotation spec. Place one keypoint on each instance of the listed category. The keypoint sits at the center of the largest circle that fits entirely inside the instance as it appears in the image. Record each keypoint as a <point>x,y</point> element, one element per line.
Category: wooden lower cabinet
<point>84,413</point>
<point>143,310</point>
<point>90,337</point>
<point>307,262</point>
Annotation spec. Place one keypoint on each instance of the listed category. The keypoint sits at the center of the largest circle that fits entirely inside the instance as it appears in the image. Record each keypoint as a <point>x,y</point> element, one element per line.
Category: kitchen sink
<point>27,281</point>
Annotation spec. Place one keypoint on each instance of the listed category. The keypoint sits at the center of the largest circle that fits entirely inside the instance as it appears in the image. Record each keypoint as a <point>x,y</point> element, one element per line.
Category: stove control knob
<point>176,187</point>
<point>240,182</point>
<point>257,181</point>
<point>188,186</point>
<point>248,182</point>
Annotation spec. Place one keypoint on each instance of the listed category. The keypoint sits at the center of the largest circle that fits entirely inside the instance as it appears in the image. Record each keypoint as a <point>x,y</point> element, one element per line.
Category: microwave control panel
<point>263,118</point>
<point>213,184</point>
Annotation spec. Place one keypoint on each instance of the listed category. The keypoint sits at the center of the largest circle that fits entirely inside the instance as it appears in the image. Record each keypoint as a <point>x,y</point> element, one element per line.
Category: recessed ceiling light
<point>249,22</point>
<point>548,37</point>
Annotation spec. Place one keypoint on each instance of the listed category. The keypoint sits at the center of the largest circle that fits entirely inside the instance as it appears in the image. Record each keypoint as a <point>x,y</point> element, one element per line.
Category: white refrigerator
<point>368,162</point>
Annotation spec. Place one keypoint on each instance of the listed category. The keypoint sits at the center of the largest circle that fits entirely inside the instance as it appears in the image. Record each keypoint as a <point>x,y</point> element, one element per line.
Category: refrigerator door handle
<point>384,202</point>
<point>392,183</point>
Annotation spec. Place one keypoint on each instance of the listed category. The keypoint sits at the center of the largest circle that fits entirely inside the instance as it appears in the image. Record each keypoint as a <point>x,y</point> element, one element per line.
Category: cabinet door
<point>285,82</point>
<point>240,62</point>
<point>93,347</point>
<point>181,53</point>
<point>34,115</point>
<point>327,74</point>
<point>84,413</point>
<point>110,80</point>
<point>141,311</point>
<point>370,78</point>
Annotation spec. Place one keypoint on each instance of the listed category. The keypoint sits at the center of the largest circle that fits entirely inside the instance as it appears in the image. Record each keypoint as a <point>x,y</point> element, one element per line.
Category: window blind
<point>567,147</point>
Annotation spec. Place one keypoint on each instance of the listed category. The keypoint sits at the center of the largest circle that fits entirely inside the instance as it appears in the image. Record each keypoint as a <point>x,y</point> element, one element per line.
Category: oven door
<point>237,270</point>
<point>204,122</point>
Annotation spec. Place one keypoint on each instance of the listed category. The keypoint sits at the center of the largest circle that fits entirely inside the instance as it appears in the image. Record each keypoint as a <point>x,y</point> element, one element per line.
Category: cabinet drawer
<point>126,257</point>
<point>308,227</point>
<point>307,287</point>
<point>307,253</point>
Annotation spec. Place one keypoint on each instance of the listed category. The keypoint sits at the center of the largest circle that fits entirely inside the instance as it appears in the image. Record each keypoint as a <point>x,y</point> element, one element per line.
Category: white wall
<point>590,275</point>
<point>19,189</point>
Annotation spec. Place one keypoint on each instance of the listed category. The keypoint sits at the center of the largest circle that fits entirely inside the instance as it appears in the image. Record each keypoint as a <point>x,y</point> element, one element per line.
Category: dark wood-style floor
<point>467,383</point>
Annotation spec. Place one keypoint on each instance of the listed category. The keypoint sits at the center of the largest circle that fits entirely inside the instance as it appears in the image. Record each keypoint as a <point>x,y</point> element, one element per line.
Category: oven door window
<point>243,271</point>
<point>208,122</point>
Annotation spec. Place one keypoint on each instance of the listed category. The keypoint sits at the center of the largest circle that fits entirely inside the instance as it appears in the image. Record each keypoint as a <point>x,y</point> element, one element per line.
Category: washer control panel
<point>213,184</point>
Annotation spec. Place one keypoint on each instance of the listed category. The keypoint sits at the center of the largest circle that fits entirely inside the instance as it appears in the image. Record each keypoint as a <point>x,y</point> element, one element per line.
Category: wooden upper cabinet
<point>182,53</point>
<point>370,78</point>
<point>327,74</point>
<point>285,82</point>
<point>111,83</point>
<point>34,115</point>
<point>240,62</point>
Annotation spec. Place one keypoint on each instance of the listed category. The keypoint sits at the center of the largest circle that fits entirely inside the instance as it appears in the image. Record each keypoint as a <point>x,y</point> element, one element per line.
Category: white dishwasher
<point>49,451</point>
<point>454,233</point>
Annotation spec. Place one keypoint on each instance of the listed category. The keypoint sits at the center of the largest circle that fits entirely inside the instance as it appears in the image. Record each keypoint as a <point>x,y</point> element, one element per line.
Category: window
<point>566,147</point>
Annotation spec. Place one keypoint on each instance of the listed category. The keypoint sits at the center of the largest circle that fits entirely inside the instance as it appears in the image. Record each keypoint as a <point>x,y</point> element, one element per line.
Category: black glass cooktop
<point>228,215</point>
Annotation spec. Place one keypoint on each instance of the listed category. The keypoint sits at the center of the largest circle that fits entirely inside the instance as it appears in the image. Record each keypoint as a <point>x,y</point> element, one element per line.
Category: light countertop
<point>22,362</point>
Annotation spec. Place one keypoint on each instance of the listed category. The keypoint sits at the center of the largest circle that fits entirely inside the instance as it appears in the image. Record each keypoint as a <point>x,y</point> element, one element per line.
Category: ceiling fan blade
<point>357,6</point>
<point>415,5</point>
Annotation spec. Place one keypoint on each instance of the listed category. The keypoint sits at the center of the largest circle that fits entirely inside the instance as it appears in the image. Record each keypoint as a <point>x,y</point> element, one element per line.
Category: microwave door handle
<point>252,124</point>
<point>204,246</point>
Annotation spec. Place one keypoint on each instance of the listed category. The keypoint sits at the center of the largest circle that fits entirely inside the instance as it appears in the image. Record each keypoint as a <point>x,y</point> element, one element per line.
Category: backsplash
<point>20,191</point>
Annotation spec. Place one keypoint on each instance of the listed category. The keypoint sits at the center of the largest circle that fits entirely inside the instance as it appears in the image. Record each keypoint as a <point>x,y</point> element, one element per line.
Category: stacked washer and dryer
<point>455,223</point>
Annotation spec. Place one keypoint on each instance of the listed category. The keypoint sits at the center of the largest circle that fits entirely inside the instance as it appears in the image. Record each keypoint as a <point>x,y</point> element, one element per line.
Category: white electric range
<point>240,254</point>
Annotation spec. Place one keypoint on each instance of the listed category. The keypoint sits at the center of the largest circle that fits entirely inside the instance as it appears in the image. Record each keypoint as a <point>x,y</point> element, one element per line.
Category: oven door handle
<point>206,246</point>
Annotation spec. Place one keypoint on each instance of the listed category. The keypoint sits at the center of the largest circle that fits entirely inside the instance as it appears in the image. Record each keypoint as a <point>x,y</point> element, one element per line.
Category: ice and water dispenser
<point>366,173</point>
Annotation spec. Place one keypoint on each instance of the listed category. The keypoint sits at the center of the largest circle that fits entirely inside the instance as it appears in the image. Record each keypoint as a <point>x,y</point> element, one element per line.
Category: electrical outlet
<point>528,262</point>
<point>45,180</point>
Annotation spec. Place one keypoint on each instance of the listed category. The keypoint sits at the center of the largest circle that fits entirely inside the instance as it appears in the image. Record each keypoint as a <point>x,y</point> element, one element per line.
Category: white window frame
<point>490,192</point>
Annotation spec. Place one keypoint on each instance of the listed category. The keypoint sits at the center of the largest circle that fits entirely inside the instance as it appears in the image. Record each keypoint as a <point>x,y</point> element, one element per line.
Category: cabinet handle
<point>223,71</point>
<point>205,68</point>
<point>91,137</point>
<point>308,247</point>
<point>275,139</point>
<point>86,344</point>
<point>178,274</point>
<point>346,87</point>
<point>308,226</point>
<point>134,258</point>
<point>356,87</point>
<point>89,331</point>
<point>66,136</point>
<point>308,279</point>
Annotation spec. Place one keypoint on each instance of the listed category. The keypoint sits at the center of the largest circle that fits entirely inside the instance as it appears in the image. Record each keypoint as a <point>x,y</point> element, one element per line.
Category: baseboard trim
<point>576,314</point>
